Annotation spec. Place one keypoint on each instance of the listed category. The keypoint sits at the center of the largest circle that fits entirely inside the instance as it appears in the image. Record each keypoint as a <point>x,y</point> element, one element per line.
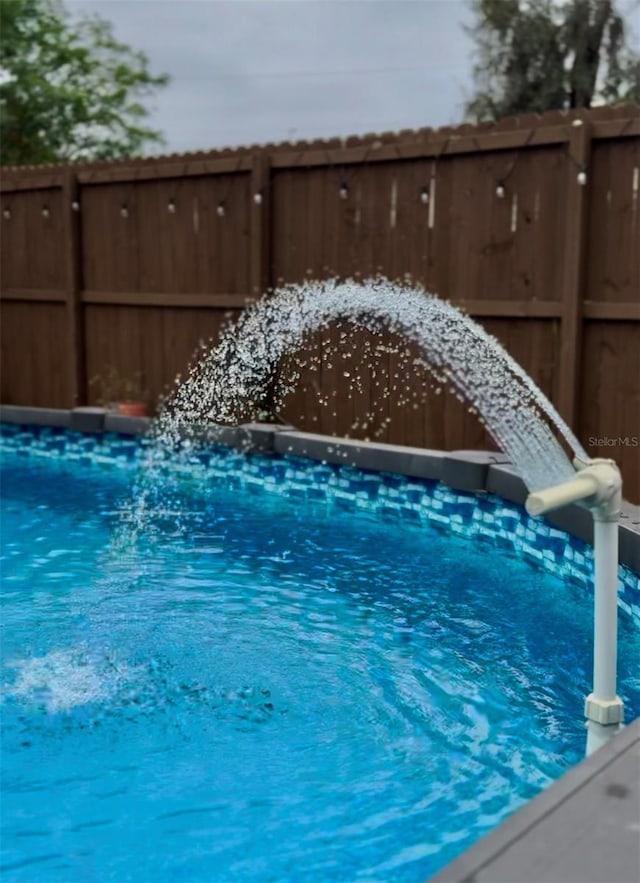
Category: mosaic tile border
<point>484,517</point>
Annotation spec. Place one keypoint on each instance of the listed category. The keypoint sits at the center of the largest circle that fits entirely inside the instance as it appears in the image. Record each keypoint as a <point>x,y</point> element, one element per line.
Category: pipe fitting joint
<point>596,485</point>
<point>604,711</point>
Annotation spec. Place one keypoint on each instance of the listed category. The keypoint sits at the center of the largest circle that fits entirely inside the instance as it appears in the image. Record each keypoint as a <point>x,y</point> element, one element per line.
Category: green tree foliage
<point>68,89</point>
<point>537,55</point>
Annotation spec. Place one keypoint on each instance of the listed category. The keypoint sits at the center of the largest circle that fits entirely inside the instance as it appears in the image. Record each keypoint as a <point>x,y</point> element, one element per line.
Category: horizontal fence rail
<point>531,225</point>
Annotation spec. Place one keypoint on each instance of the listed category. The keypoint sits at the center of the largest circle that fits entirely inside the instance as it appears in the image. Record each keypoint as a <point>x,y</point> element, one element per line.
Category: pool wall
<point>456,499</point>
<point>589,816</point>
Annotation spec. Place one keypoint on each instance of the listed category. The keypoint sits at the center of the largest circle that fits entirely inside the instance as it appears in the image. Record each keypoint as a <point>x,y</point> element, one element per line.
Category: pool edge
<point>473,471</point>
<point>582,829</point>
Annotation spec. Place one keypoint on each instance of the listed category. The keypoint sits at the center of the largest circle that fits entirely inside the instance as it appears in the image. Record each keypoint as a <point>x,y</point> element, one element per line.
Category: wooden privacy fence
<point>531,225</point>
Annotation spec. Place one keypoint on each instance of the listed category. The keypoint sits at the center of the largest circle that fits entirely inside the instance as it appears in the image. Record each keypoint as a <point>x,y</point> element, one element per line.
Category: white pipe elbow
<point>597,485</point>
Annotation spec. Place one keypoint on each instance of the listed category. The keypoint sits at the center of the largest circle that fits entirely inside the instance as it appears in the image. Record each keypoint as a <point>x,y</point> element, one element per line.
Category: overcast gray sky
<point>248,71</point>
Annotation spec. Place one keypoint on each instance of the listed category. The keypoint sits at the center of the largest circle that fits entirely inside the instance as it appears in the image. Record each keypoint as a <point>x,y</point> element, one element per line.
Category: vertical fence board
<point>442,228</point>
<point>260,238</point>
<point>73,271</point>
<point>609,424</point>
<point>613,238</point>
<point>574,270</point>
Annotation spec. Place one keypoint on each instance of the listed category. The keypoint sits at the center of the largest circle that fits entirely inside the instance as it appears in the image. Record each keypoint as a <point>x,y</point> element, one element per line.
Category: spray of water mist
<point>457,351</point>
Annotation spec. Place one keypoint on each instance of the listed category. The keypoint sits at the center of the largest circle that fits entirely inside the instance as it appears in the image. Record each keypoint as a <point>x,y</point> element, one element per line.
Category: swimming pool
<point>312,673</point>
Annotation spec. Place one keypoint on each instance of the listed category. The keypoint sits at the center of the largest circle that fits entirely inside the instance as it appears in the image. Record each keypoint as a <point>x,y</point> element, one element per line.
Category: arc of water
<point>514,410</point>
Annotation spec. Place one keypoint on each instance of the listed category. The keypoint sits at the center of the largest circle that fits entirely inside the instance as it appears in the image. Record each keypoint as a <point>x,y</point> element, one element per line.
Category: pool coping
<point>582,829</point>
<point>466,470</point>
<point>562,830</point>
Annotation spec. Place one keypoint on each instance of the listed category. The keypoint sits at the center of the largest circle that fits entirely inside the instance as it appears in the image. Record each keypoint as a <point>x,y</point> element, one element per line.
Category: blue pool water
<point>270,688</point>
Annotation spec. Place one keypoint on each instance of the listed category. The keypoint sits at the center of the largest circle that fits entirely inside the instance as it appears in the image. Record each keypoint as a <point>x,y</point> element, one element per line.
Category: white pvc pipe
<point>579,488</point>
<point>598,485</point>
<point>605,636</point>
<point>598,736</point>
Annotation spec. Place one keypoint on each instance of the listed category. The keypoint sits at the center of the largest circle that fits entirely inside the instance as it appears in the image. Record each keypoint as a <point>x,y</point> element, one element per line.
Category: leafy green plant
<point>113,387</point>
<point>69,91</point>
<point>538,55</point>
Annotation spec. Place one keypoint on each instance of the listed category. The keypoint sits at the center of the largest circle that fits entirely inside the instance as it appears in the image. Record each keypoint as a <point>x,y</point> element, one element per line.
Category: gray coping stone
<point>126,425</point>
<point>250,437</point>
<point>468,470</point>
<point>260,437</point>
<point>210,433</point>
<point>416,462</point>
<point>629,536</point>
<point>582,829</point>
<point>88,419</point>
<point>505,481</point>
<point>27,416</point>
<point>575,520</point>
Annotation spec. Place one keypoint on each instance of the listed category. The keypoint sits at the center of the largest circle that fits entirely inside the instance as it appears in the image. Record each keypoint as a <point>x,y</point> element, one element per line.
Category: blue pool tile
<point>486,518</point>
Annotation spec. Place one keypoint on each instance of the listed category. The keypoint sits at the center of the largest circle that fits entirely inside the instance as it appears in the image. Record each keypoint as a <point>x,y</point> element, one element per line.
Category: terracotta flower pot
<point>132,409</point>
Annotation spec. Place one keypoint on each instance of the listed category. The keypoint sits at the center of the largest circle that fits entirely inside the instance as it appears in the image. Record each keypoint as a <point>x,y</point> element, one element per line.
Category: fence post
<point>73,286</point>
<point>260,241</point>
<point>578,183</point>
